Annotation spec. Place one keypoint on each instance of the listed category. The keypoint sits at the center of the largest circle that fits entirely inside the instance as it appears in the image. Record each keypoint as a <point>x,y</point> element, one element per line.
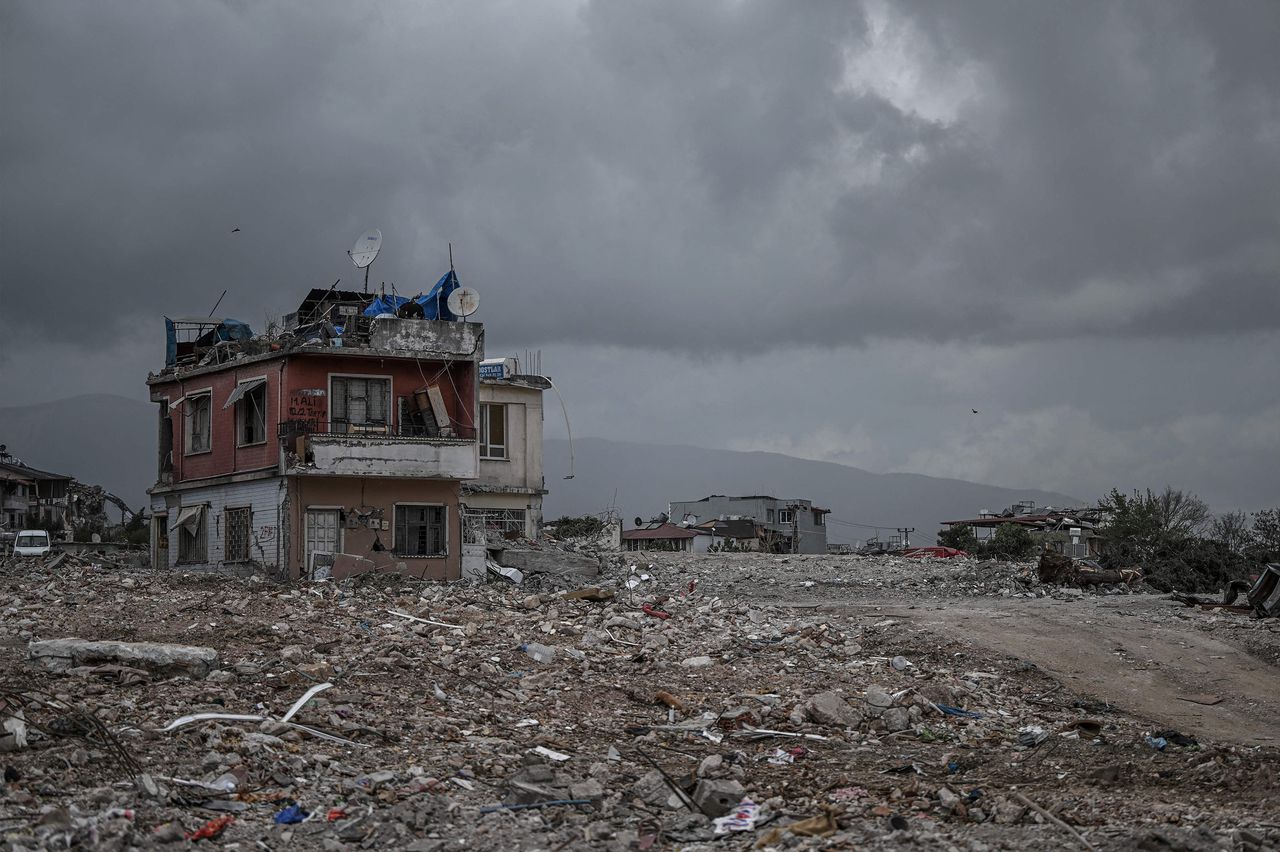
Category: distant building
<point>785,526</point>
<point>736,535</point>
<point>28,495</point>
<point>660,536</point>
<point>1071,532</point>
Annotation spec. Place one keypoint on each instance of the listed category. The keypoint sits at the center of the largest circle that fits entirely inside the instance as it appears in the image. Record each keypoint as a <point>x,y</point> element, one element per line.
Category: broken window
<point>192,535</point>
<point>166,441</point>
<point>236,543</point>
<point>359,404</point>
<point>493,431</point>
<point>198,414</point>
<point>416,422</point>
<point>420,531</point>
<point>251,414</point>
<point>819,519</point>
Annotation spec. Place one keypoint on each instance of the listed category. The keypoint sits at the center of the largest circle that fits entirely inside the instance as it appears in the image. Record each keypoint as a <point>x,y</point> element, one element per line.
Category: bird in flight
<point>974,410</point>
<point>235,230</point>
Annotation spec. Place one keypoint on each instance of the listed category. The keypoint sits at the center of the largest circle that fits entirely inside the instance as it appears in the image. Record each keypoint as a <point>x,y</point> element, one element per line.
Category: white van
<point>32,543</point>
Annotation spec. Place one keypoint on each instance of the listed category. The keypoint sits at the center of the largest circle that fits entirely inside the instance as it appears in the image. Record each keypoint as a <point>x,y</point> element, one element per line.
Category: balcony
<point>343,449</point>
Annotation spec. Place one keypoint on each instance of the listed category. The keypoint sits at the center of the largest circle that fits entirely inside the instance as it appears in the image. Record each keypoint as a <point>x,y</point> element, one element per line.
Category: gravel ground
<point>772,679</point>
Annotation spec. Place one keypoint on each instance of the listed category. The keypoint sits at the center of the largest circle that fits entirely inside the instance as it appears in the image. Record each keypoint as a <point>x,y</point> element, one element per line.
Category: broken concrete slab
<point>558,562</point>
<point>831,708</point>
<point>60,655</point>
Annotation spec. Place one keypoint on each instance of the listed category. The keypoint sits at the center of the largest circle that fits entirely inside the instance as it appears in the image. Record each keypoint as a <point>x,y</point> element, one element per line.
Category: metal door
<point>323,534</point>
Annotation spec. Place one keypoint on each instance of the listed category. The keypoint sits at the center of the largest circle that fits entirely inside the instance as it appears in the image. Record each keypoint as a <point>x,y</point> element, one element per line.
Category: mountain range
<point>640,480</point>
<point>111,441</point>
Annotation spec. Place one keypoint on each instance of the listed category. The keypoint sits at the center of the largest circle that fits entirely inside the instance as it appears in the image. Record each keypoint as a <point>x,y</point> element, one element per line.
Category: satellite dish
<point>639,522</point>
<point>366,248</point>
<point>464,301</point>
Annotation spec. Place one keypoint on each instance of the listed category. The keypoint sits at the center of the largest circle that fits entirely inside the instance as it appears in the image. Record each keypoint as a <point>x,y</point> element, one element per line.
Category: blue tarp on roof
<point>384,305</point>
<point>435,304</point>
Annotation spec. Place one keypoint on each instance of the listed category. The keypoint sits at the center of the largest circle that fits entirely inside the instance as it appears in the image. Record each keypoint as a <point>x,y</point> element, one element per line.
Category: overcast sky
<point>829,230</point>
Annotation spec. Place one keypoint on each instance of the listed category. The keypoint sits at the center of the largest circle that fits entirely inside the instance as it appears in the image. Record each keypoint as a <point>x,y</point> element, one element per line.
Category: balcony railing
<point>344,428</point>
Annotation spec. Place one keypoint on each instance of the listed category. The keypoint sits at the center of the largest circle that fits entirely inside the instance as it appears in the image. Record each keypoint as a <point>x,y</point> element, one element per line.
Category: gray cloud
<point>1012,188</point>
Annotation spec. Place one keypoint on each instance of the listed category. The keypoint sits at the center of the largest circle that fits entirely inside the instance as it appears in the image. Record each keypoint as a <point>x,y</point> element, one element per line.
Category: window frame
<point>241,408</point>
<point>188,417</point>
<point>486,427</point>
<point>184,557</point>
<point>226,533</point>
<point>396,548</point>
<point>786,516</point>
<point>389,402</point>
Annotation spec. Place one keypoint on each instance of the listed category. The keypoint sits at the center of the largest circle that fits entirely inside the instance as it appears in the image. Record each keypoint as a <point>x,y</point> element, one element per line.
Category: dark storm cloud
<point>699,176</point>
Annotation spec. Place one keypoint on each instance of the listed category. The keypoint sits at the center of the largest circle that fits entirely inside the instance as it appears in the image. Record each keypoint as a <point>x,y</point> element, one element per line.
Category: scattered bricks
<point>59,655</point>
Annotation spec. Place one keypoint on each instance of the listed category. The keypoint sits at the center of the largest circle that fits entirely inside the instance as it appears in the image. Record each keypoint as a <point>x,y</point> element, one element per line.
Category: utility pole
<point>906,535</point>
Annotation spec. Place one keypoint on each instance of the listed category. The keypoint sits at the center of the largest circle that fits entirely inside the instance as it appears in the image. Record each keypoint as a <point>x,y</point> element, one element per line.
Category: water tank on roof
<point>497,368</point>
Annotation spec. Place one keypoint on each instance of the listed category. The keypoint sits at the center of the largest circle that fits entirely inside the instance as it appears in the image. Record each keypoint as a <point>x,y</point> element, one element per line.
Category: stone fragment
<point>59,655</point>
<point>831,708</point>
<point>897,719</point>
<point>878,700</point>
<point>717,798</point>
<point>696,662</point>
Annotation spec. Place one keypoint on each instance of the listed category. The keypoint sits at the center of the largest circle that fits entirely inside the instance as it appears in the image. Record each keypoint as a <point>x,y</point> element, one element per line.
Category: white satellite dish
<point>366,248</point>
<point>463,302</point>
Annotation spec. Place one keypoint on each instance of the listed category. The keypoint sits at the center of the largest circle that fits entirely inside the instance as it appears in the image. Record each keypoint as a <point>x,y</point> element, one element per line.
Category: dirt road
<point>1140,653</point>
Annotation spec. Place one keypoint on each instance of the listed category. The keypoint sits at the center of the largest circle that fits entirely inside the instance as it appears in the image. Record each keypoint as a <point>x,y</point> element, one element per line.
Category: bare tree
<point>1179,514</point>
<point>1232,529</point>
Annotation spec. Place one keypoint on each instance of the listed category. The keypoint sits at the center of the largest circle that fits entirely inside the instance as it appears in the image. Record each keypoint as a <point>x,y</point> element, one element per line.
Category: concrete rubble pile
<point>795,577</point>
<point>671,703</point>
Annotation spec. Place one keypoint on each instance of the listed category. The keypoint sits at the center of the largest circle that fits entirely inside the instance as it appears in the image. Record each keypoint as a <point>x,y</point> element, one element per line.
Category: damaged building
<point>506,496</point>
<point>784,525</point>
<point>31,497</point>
<point>1069,532</point>
<point>350,437</point>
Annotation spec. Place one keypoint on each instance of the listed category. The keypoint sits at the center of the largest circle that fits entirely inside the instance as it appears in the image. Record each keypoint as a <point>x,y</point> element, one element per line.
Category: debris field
<point>713,702</point>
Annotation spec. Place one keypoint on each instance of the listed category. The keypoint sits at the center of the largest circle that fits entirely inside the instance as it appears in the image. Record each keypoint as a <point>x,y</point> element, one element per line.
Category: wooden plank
<point>441,413</point>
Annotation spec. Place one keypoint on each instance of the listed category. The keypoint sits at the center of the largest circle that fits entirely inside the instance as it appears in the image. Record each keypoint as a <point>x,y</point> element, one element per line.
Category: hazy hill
<point>97,438</point>
<point>647,477</point>
<point>111,441</point>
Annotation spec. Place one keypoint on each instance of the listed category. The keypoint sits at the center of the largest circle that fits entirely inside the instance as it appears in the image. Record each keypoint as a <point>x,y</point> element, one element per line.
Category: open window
<point>250,401</point>
<point>198,410</point>
<point>493,431</point>
<point>193,538</point>
<point>359,404</point>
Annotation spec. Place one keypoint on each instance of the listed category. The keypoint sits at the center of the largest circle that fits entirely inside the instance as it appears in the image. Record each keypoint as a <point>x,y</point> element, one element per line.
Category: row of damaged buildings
<point>361,432</point>
<point>723,523</point>
<point>31,498</point>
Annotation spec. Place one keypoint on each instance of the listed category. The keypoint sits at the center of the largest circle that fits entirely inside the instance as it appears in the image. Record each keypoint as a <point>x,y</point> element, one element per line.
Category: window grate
<point>236,543</point>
